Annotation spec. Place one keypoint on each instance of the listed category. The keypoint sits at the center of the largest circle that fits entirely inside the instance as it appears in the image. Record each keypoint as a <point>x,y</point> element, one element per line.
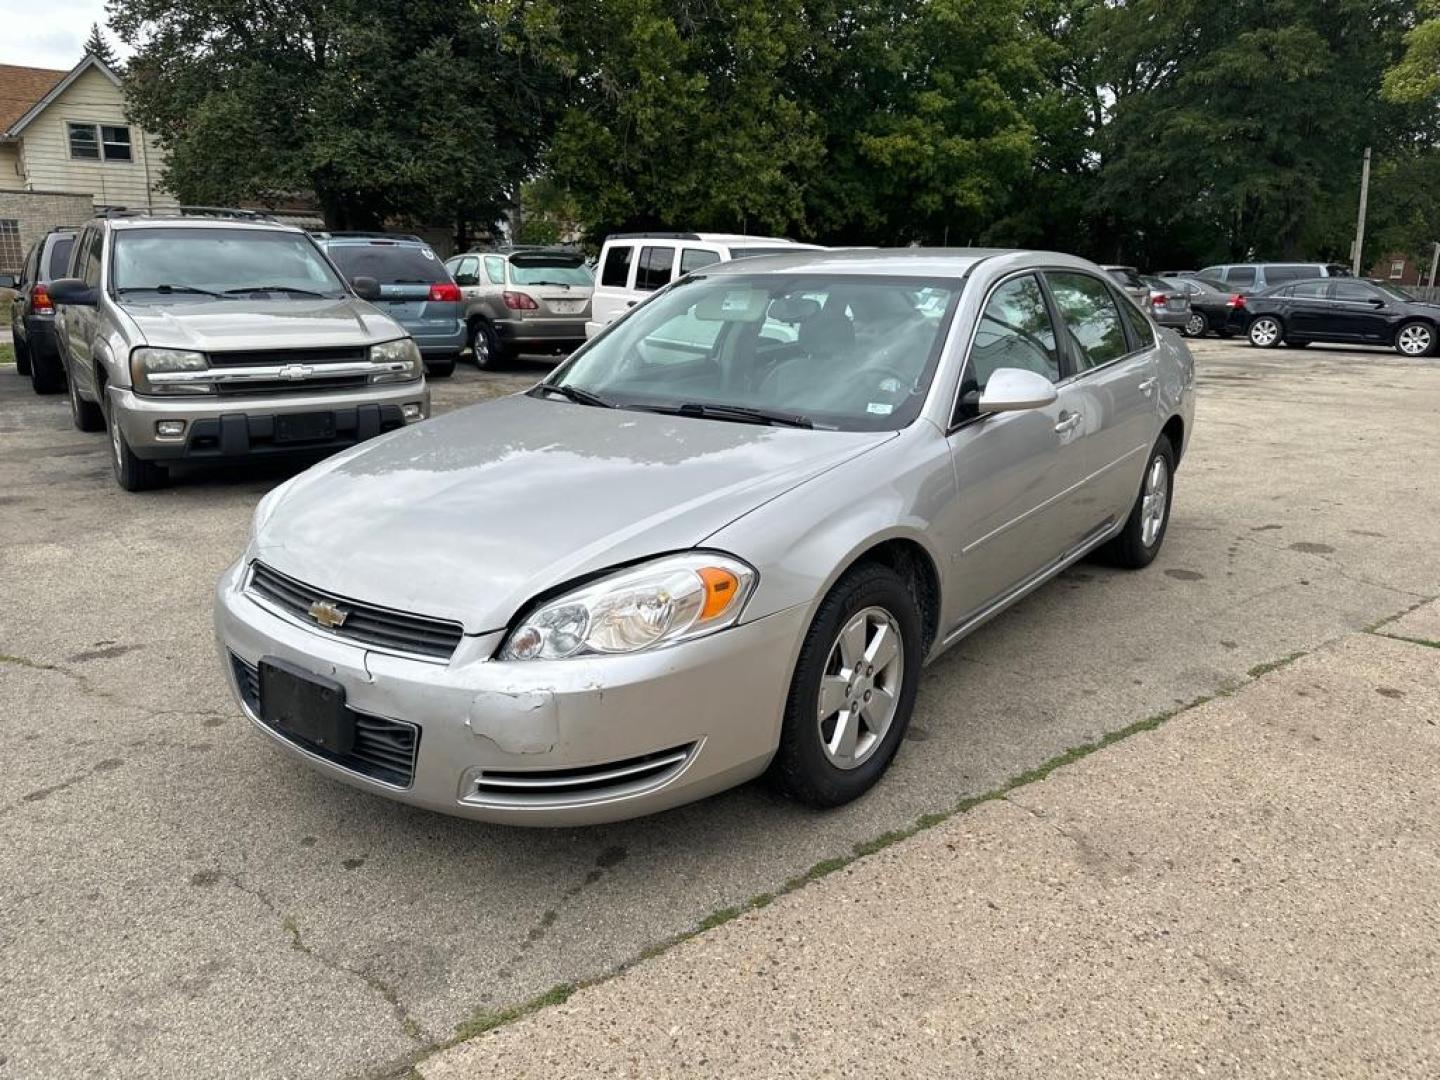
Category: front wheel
<point>132,473</point>
<point>1139,542</point>
<point>1265,332</point>
<point>1196,325</point>
<point>1415,339</point>
<point>853,690</point>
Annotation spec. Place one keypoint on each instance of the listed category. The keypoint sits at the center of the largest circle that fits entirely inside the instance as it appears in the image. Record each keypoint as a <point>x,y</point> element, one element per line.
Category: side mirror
<point>367,288</point>
<point>466,279</point>
<point>7,281</point>
<point>1377,302</point>
<point>72,291</point>
<point>1016,390</point>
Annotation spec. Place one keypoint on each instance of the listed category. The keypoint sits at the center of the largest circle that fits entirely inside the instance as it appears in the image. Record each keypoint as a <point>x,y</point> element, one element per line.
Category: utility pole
<point>1435,264</point>
<point>1360,222</point>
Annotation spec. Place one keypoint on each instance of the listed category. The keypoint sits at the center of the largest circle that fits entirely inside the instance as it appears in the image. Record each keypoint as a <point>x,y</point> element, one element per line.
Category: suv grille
<point>364,623</point>
<point>384,749</point>
<point>356,354</point>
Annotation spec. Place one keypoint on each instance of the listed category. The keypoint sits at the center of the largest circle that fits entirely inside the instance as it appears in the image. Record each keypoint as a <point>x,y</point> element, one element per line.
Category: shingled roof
<point>21,88</point>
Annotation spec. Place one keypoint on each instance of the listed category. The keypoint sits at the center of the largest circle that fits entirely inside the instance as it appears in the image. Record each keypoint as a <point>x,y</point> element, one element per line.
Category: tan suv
<point>533,300</point>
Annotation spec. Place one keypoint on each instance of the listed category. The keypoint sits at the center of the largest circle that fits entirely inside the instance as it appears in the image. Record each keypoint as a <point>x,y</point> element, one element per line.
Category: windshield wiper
<point>744,413</point>
<point>273,288</point>
<point>575,394</point>
<point>168,289</point>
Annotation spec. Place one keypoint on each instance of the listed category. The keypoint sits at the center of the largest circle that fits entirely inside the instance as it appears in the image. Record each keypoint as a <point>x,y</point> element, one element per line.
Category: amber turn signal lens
<point>721,588</point>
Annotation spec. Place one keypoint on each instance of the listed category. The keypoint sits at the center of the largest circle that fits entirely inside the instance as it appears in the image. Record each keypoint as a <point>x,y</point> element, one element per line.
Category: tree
<point>98,47</point>
<point>412,111</point>
<point>1416,78</point>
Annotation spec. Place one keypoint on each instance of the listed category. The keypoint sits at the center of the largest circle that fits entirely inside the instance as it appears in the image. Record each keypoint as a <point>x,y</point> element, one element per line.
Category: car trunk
<point>558,282</point>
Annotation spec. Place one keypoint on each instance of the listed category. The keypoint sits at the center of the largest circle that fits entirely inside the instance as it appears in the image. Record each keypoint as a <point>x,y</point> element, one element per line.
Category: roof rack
<point>184,211</point>
<point>360,234</point>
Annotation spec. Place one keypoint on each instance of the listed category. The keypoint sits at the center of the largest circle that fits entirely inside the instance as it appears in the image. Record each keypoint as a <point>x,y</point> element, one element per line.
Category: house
<point>1403,268</point>
<point>66,148</point>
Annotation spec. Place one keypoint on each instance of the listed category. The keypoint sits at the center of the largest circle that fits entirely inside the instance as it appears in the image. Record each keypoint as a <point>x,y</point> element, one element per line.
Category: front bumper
<point>541,743</point>
<point>222,428</point>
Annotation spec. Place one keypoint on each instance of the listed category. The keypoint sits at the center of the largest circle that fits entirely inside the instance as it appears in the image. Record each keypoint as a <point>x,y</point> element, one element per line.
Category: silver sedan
<point>720,541</point>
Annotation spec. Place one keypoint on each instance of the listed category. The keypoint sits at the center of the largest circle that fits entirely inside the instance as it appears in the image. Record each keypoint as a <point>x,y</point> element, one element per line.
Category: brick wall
<point>35,213</point>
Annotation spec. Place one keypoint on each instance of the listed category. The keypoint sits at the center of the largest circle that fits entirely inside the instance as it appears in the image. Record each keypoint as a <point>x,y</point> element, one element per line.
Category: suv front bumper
<point>220,428</point>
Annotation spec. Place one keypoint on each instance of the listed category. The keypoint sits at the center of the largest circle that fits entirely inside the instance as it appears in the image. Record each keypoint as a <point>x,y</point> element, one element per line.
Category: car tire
<point>485,346</point>
<point>1265,331</point>
<point>1139,541</point>
<point>22,356</point>
<point>1197,325</point>
<point>817,762</point>
<point>46,375</point>
<point>1415,338</point>
<point>440,369</point>
<point>132,473</point>
<point>86,415</point>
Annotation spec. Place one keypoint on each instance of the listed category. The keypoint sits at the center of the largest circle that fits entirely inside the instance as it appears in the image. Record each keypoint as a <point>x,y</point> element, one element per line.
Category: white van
<point>633,265</point>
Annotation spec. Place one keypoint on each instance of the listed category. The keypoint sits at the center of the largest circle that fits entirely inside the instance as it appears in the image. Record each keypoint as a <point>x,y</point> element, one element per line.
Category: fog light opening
<point>410,411</point>
<point>169,429</point>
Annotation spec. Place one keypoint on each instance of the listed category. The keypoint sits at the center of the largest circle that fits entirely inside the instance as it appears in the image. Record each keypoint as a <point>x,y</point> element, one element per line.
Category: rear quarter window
<point>615,274</point>
<point>58,260</point>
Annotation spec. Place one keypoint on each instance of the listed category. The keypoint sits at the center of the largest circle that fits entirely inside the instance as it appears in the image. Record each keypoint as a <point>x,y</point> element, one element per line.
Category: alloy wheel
<point>480,345</point>
<point>1196,326</point>
<point>1153,501</point>
<point>1414,340</point>
<point>1264,332</point>
<point>860,690</point>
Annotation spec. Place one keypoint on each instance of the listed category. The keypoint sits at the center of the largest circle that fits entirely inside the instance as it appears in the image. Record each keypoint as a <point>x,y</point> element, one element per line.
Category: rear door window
<point>654,269</point>
<point>1090,317</point>
<point>1142,334</point>
<point>695,258</point>
<point>389,264</point>
<point>615,274</point>
<point>495,269</point>
<point>1240,275</point>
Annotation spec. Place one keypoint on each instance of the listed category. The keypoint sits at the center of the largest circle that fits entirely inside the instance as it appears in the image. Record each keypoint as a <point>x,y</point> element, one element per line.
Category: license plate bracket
<point>304,427</point>
<point>308,706</point>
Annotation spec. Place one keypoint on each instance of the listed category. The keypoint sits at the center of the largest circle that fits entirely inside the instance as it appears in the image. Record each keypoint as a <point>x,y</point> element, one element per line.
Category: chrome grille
<point>269,357</point>
<point>314,384</point>
<point>364,624</point>
<point>540,786</point>
<point>384,749</point>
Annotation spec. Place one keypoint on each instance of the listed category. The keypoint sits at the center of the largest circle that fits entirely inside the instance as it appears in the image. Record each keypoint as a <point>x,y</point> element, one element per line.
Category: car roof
<point>189,221</point>
<point>369,238</point>
<point>885,262</point>
<point>708,238</point>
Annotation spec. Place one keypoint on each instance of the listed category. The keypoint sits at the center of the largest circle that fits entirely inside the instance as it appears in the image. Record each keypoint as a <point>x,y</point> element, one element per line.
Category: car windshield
<point>389,263</point>
<point>550,273</point>
<point>835,351</point>
<point>170,262</point>
<point>1394,291</point>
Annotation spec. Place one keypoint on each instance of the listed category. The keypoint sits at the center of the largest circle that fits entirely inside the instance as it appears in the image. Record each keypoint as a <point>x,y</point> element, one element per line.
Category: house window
<point>91,142</point>
<point>10,254</point>
<point>1397,269</point>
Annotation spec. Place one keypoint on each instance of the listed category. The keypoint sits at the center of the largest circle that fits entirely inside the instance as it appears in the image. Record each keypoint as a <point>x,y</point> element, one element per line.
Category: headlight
<point>172,367</point>
<point>658,603</point>
<point>402,352</point>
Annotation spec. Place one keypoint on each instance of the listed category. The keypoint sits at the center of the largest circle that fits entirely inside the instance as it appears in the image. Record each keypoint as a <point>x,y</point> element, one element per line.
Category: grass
<point>1274,665</point>
<point>7,353</point>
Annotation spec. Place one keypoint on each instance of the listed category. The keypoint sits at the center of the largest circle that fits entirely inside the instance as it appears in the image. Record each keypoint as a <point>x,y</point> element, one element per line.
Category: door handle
<point>1148,385</point>
<point>1068,421</point>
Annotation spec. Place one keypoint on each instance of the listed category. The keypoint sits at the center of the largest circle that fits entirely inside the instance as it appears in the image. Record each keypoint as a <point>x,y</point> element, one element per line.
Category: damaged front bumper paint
<point>719,699</point>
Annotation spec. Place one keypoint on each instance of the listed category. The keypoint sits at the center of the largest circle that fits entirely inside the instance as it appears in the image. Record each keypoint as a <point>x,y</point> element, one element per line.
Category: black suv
<point>32,316</point>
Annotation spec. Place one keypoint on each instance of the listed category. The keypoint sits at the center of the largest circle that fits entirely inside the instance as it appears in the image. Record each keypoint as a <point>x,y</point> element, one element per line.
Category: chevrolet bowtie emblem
<point>295,371</point>
<point>327,614</point>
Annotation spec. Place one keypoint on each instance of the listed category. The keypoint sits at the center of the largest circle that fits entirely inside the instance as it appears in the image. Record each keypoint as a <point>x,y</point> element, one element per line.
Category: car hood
<point>221,325</point>
<point>471,515</point>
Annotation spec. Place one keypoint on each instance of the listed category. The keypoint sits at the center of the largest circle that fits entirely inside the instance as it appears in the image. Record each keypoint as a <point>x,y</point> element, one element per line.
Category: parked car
<point>721,539</point>
<point>32,314</point>
<point>1167,304</point>
<point>415,289</point>
<point>1128,278</point>
<point>1167,274</point>
<point>1210,306</point>
<point>532,299</point>
<point>1257,277</point>
<point>634,265</point>
<point>1348,311</point>
<point>204,339</point>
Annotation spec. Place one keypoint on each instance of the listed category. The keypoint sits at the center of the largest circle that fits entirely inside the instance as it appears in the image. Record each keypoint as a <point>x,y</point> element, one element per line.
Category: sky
<point>50,34</point>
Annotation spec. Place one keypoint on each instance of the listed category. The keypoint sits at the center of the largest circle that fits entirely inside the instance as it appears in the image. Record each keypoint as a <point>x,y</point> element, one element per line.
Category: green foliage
<point>98,47</point>
<point>382,110</point>
<point>1416,78</point>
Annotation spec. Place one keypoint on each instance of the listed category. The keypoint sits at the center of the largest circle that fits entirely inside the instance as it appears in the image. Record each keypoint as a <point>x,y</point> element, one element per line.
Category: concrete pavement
<point>178,900</point>
<point>1248,890</point>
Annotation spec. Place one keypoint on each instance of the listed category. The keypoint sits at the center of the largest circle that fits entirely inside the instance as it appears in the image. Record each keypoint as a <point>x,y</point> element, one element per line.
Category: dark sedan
<point>1341,310</point>
<point>1210,306</point>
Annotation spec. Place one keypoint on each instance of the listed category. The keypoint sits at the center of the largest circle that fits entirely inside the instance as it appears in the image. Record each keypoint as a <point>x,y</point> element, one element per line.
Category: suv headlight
<point>404,351</point>
<point>657,603</point>
<point>147,362</point>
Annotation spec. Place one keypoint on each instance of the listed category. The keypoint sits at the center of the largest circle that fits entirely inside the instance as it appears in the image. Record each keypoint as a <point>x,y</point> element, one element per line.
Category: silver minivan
<point>194,340</point>
<point>1256,277</point>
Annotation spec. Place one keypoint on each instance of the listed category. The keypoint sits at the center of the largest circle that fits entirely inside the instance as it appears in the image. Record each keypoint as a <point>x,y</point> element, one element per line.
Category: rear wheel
<point>853,690</point>
<point>1265,332</point>
<point>22,357</point>
<point>86,415</point>
<point>132,473</point>
<point>440,369</point>
<point>1415,339</point>
<point>1139,542</point>
<point>485,346</point>
<point>1197,324</point>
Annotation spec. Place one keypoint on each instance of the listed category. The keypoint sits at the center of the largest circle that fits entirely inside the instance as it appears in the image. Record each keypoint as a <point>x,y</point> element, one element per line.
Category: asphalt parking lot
<point>178,900</point>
